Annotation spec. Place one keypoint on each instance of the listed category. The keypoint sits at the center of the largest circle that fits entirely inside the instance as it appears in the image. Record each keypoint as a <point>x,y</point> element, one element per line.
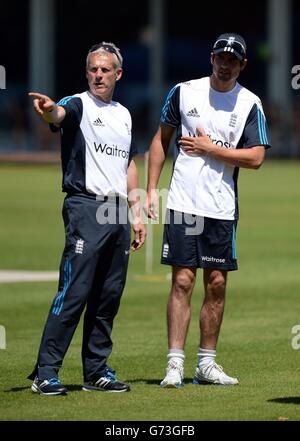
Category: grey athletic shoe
<point>213,374</point>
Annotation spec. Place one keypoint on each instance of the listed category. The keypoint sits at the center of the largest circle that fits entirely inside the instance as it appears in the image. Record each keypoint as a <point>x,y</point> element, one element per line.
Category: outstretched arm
<point>46,108</point>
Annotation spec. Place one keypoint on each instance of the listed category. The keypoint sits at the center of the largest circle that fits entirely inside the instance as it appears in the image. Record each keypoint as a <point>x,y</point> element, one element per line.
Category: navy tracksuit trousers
<point>92,275</point>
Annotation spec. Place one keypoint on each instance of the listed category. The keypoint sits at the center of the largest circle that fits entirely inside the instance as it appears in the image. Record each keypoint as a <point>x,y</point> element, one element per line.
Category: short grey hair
<point>103,48</point>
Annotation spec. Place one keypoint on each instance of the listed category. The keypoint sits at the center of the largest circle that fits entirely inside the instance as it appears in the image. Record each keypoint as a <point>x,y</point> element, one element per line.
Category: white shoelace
<point>173,366</point>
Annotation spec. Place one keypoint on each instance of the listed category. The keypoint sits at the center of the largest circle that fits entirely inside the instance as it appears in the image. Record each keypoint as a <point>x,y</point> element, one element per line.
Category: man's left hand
<point>139,234</point>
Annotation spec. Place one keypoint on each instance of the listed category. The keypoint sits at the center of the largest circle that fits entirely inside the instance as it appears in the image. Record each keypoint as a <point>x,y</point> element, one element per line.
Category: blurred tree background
<point>155,59</point>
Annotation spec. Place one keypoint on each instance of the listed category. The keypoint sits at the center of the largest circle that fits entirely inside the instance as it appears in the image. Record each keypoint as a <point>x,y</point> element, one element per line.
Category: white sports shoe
<point>174,375</point>
<point>213,374</point>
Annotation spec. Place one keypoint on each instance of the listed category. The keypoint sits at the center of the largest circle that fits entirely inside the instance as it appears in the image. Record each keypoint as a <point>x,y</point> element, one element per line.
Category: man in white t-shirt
<point>220,126</point>
<point>98,173</point>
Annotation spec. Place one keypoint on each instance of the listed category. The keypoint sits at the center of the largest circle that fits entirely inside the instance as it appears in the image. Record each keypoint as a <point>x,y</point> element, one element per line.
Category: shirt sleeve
<point>133,150</point>
<point>170,114</point>
<point>73,108</point>
<point>256,130</point>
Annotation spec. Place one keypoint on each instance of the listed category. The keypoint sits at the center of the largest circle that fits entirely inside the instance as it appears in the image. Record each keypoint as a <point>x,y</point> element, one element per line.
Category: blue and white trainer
<point>48,387</point>
<point>107,383</point>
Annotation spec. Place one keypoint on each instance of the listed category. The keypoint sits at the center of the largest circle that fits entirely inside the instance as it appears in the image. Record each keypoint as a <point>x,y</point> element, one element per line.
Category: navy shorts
<point>199,242</point>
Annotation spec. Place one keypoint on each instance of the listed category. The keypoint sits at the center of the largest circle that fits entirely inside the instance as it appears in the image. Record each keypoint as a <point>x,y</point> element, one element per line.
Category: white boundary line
<point>13,276</point>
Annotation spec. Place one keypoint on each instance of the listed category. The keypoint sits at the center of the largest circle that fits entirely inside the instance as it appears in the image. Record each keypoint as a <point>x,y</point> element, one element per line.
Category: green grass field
<point>255,343</point>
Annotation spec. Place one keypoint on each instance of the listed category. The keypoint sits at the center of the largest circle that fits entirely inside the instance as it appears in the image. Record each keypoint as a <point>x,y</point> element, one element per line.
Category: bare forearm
<point>202,145</point>
<point>157,156</point>
<point>133,189</point>
<point>246,158</point>
<point>46,108</point>
<point>55,115</point>
<point>134,204</point>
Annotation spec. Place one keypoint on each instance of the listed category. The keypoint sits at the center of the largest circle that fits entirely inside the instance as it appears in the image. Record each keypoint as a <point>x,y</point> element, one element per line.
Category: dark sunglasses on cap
<point>106,47</point>
<point>230,46</point>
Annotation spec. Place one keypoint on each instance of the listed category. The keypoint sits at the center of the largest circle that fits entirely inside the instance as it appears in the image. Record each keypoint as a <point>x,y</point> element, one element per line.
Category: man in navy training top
<point>99,174</point>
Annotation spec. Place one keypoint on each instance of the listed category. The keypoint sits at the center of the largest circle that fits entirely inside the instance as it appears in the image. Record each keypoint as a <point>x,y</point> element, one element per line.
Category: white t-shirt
<point>202,185</point>
<point>96,146</point>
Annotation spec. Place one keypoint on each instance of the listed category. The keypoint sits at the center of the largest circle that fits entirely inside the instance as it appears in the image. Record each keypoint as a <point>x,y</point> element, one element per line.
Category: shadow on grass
<point>156,382</point>
<point>285,400</point>
<point>77,387</point>
<point>70,387</point>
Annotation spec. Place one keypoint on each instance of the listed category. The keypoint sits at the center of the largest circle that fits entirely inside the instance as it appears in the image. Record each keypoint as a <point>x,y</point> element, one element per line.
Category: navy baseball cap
<point>233,43</point>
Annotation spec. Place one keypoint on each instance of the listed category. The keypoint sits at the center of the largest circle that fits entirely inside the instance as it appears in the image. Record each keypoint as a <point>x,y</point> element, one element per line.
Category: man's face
<point>102,75</point>
<point>226,67</point>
